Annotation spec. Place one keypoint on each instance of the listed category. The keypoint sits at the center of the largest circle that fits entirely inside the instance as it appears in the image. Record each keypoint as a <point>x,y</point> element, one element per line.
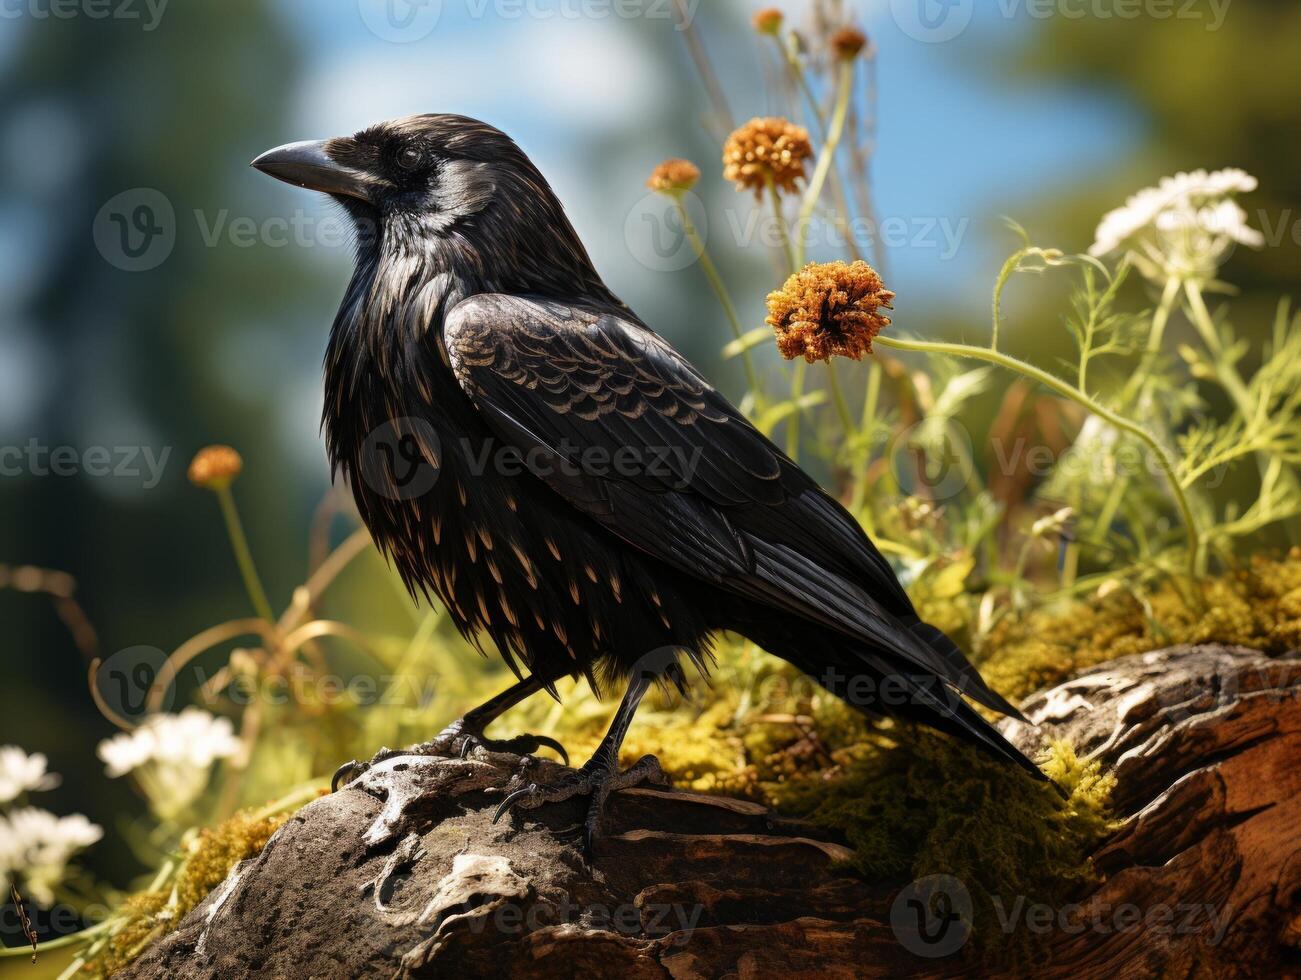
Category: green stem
<point>843,218</point>
<point>1225,372</point>
<point>1139,387</point>
<point>826,159</point>
<point>867,426</point>
<point>1228,376</point>
<point>838,396</point>
<point>1067,390</point>
<point>1140,383</point>
<point>243,557</point>
<point>720,290</point>
<point>793,426</point>
<point>782,230</point>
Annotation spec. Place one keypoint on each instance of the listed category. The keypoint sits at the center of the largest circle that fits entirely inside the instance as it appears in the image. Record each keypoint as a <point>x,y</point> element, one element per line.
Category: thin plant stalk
<point>783,232</point>
<point>826,159</point>
<point>1140,383</point>
<point>796,72</point>
<point>1225,372</point>
<point>1139,388</point>
<point>243,556</point>
<point>838,396</point>
<point>1227,375</point>
<point>793,426</point>
<point>859,497</point>
<point>720,290</point>
<point>1068,390</point>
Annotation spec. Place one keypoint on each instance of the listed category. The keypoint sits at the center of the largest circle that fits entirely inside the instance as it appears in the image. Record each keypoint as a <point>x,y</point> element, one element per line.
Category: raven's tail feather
<point>934,701</point>
<point>965,676</point>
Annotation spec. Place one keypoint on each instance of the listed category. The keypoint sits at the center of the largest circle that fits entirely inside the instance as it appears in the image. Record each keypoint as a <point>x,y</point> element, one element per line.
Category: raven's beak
<point>307,165</point>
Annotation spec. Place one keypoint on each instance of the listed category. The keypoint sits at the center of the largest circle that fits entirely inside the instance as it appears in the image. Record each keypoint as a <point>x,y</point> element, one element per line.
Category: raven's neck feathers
<point>386,341</point>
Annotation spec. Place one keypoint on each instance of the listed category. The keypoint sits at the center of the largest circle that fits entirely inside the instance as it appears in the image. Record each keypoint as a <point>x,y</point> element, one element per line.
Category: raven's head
<point>454,192</point>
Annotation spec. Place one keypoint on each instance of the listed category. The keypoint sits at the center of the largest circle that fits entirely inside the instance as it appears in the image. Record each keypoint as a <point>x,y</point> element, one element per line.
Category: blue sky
<point>587,97</point>
<point>957,144</point>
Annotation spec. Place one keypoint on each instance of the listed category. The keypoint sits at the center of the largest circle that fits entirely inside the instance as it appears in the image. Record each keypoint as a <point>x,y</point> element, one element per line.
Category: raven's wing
<point>631,434</point>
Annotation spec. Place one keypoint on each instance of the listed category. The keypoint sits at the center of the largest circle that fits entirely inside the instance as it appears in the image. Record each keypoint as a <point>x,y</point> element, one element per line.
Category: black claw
<point>467,745</point>
<point>512,799</point>
<point>351,766</point>
<point>555,746</point>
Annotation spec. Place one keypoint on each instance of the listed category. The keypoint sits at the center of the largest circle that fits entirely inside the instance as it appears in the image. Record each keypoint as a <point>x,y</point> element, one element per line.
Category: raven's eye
<point>410,157</point>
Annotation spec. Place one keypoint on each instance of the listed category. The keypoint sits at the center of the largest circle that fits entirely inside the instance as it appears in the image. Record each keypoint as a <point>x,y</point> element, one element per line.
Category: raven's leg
<point>466,733</point>
<point>600,775</point>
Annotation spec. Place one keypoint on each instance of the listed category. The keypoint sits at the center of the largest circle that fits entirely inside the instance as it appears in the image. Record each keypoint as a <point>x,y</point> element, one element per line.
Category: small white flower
<point>22,773</point>
<point>170,756</point>
<point>1184,226</point>
<point>36,845</point>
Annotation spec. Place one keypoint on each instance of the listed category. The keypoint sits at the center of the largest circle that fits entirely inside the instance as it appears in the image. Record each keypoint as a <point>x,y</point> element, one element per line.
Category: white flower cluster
<point>1185,226</point>
<point>36,845</point>
<point>22,773</point>
<point>170,757</point>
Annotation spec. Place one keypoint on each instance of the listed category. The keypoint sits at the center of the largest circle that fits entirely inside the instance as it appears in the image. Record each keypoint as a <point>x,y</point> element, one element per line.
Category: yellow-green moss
<point>1258,606</point>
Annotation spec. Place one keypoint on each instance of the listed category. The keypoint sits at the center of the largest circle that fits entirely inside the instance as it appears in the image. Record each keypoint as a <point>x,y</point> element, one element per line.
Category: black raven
<point>593,501</point>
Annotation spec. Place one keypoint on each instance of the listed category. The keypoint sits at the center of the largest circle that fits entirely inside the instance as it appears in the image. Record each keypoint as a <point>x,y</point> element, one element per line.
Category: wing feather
<point>720,503</point>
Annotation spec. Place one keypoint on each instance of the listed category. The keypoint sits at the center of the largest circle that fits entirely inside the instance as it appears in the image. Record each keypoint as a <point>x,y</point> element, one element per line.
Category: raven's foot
<point>456,741</point>
<point>600,776</point>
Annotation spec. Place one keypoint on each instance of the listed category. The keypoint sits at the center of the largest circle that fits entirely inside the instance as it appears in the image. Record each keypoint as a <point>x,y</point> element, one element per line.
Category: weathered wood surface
<point>403,873</point>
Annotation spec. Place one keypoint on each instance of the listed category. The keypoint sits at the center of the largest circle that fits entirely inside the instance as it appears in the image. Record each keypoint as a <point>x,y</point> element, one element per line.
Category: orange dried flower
<point>215,467</point>
<point>674,176</point>
<point>766,149</point>
<point>848,42</point>
<point>768,20</point>
<point>828,310</point>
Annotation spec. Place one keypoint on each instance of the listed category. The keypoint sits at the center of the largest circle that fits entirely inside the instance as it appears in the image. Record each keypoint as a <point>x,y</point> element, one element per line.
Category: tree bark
<point>403,872</point>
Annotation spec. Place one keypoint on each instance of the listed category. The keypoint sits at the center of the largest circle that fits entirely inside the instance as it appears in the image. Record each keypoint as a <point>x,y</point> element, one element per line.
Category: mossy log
<point>403,872</point>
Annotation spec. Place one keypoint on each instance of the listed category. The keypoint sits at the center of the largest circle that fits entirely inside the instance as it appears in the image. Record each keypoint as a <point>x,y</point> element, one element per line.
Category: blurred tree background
<point>222,342</point>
